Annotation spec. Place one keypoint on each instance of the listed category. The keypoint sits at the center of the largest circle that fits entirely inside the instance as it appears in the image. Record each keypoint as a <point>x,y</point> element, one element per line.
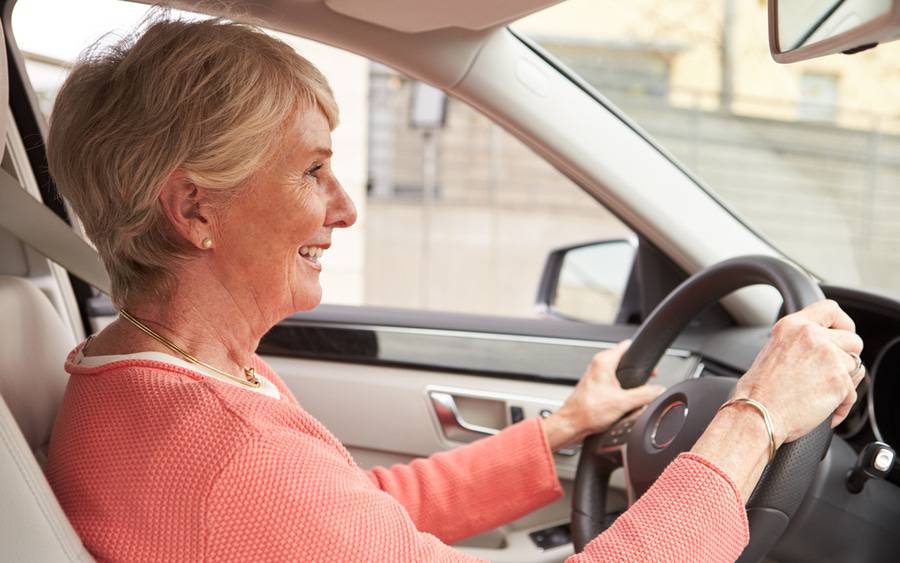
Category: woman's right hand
<point>802,375</point>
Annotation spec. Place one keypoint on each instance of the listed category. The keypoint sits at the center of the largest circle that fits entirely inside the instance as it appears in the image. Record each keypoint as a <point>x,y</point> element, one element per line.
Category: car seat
<point>33,348</point>
<point>33,345</point>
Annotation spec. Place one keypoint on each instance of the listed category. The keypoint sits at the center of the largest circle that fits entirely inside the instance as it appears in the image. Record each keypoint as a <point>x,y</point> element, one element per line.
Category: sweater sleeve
<point>468,490</point>
<point>291,497</point>
<point>693,512</point>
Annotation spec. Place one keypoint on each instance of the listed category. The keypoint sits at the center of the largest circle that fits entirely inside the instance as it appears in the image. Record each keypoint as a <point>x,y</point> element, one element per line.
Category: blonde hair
<point>211,97</point>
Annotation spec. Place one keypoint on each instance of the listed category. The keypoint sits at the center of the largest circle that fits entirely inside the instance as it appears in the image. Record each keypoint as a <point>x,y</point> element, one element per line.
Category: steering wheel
<point>645,443</point>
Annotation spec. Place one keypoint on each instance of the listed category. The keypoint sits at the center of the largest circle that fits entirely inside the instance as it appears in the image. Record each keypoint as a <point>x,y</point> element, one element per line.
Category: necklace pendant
<point>250,374</point>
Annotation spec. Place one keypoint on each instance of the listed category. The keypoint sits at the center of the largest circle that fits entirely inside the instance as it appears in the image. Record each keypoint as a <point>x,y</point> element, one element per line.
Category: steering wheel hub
<point>669,424</point>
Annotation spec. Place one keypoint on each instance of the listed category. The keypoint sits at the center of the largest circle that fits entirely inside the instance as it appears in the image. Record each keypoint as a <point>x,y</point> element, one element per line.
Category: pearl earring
<point>206,243</point>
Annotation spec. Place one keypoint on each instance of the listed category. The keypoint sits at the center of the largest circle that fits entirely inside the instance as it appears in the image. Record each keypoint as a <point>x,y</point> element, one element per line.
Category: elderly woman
<point>198,156</point>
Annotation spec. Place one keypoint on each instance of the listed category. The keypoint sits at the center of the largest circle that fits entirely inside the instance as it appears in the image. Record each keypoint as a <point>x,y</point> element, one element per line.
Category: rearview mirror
<point>586,282</point>
<point>805,29</point>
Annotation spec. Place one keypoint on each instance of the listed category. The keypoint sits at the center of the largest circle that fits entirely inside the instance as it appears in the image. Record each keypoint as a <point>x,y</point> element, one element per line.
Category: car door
<point>430,336</point>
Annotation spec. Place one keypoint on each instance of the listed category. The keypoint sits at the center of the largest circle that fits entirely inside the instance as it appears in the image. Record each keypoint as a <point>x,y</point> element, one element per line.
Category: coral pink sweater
<point>155,462</point>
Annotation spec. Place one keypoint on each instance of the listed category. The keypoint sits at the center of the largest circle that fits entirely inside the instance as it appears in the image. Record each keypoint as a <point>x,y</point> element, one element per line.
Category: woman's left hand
<point>597,402</point>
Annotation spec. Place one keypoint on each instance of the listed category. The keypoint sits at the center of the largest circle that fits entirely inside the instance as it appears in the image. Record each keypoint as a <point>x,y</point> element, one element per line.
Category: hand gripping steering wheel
<point>645,444</point>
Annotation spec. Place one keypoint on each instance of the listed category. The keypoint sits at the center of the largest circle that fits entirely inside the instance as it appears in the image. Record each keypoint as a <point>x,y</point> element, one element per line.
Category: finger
<point>848,341</point>
<point>608,360</point>
<point>828,314</point>
<point>837,419</point>
<point>850,361</point>
<point>856,375</point>
<point>860,375</point>
<point>843,409</point>
<point>640,396</point>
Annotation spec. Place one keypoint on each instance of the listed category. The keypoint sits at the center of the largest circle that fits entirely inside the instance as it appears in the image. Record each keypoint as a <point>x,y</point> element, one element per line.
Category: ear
<point>187,208</point>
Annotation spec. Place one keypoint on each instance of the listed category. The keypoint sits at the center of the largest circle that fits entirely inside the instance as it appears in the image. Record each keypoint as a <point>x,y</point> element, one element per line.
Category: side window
<point>455,214</point>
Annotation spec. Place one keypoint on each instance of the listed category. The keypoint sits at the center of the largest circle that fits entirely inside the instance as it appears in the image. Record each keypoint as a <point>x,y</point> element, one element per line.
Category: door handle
<point>453,425</point>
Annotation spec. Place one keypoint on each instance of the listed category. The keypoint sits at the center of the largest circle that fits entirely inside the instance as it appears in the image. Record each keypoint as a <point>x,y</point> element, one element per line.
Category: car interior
<point>702,289</point>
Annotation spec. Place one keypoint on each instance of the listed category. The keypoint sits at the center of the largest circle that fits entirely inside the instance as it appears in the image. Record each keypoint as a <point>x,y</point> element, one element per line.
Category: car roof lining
<point>441,57</point>
<point>414,16</point>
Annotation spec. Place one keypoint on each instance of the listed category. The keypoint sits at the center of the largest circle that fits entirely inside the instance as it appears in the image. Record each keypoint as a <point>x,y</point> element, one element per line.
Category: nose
<point>341,211</point>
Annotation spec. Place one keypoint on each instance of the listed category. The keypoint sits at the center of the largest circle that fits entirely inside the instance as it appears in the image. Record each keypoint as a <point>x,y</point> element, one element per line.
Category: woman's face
<point>269,236</point>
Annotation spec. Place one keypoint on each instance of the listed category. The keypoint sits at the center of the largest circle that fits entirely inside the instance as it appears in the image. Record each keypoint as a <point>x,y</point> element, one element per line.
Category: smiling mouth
<point>311,254</point>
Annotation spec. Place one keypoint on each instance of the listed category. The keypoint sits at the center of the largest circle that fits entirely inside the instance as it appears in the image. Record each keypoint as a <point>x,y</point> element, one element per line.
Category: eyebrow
<point>323,151</point>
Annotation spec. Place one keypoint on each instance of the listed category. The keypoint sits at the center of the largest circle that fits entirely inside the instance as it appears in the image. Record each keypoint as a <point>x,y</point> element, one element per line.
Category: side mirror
<point>586,282</point>
<point>805,29</point>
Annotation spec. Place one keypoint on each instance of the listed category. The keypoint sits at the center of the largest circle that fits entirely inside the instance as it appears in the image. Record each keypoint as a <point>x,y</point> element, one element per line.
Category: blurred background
<point>457,215</point>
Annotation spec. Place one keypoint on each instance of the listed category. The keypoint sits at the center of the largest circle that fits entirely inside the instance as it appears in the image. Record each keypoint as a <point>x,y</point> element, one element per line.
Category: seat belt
<point>41,229</point>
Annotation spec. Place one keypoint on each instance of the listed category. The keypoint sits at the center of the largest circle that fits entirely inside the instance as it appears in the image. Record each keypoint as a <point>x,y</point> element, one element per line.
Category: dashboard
<point>881,407</point>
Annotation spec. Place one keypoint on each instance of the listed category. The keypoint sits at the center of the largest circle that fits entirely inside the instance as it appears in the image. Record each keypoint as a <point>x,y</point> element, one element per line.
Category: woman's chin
<point>306,296</point>
<point>306,291</point>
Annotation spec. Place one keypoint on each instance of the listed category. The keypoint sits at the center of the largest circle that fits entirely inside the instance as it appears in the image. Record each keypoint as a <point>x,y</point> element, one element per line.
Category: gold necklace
<point>250,378</point>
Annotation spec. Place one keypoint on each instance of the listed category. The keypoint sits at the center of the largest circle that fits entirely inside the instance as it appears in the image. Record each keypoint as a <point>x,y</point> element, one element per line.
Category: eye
<point>313,171</point>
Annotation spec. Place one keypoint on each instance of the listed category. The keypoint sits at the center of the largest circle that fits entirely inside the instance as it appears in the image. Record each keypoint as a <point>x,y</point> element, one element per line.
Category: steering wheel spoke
<point>608,454</point>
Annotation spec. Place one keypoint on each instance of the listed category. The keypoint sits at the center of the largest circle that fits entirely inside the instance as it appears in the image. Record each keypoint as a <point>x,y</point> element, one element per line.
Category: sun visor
<point>414,16</point>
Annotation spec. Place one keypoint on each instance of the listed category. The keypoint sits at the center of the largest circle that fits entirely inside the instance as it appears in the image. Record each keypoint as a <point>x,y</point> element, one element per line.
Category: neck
<point>219,340</point>
<point>201,315</point>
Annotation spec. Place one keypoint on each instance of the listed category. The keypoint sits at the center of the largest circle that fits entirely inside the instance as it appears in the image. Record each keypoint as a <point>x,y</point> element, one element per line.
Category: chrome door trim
<point>443,414</point>
<point>553,340</point>
<point>492,395</point>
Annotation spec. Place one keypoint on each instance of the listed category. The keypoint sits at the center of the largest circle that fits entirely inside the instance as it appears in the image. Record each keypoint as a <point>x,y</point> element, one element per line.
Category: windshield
<point>808,154</point>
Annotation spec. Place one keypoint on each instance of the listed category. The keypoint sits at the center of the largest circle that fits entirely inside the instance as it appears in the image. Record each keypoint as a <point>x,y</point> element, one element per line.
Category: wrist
<point>737,442</point>
<point>560,431</point>
<point>746,423</point>
<point>778,425</point>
